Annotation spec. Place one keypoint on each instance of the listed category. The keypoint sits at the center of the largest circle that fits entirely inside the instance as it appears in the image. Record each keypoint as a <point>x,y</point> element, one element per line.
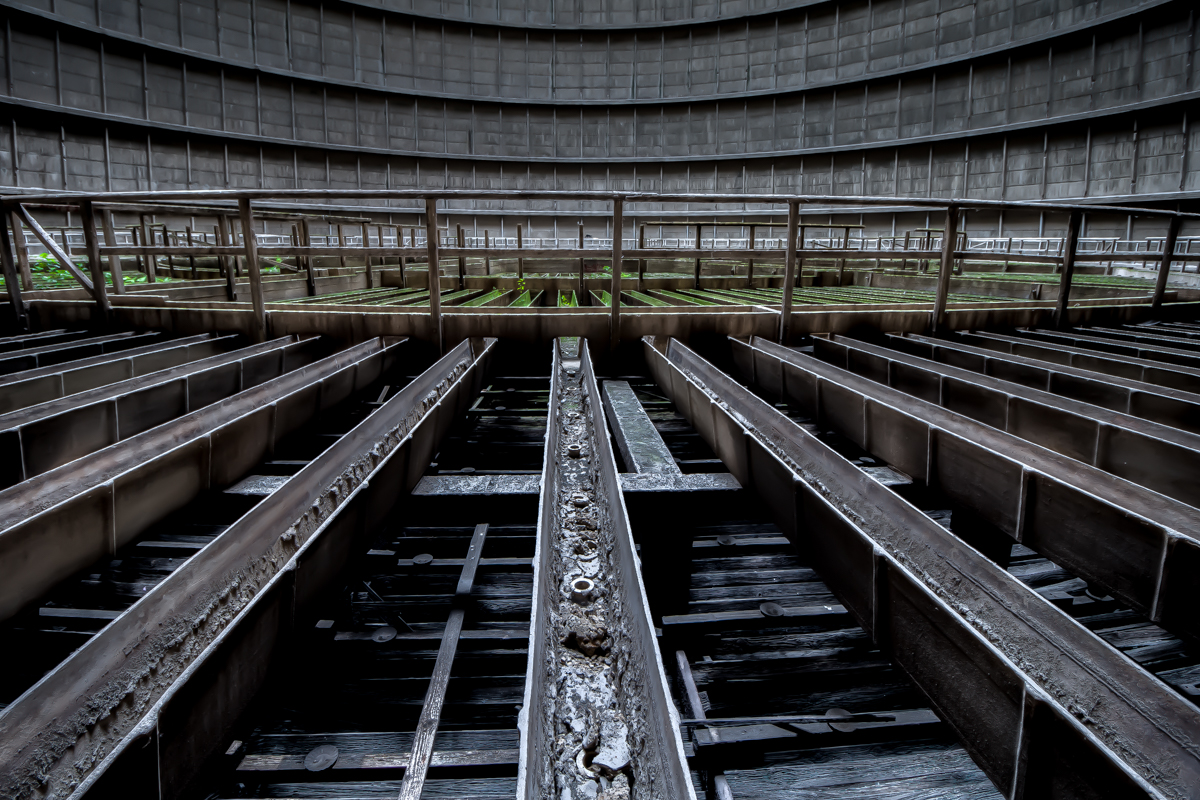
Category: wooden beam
<point>435,696</point>
<point>92,246</point>
<point>259,329</point>
<point>1164,269</point>
<point>789,273</point>
<point>307,260</point>
<point>22,253</point>
<point>11,281</point>
<point>614,299</point>
<point>48,242</point>
<point>949,234</point>
<point>1068,270</point>
<point>580,297</point>
<point>114,261</point>
<point>435,280</point>
<point>366,242</point>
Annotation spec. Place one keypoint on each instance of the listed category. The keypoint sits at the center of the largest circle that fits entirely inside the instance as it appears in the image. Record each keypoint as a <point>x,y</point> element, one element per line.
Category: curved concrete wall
<point>999,99</point>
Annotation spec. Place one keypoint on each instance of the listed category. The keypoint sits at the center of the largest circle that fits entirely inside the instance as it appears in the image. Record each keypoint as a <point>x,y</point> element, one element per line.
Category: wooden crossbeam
<point>435,696</point>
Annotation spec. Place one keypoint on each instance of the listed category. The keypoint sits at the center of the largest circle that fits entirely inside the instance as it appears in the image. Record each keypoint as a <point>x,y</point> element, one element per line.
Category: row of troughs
<point>1046,708</point>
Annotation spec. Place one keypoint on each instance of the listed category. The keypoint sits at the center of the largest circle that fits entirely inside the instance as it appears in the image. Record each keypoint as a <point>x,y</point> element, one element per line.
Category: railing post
<point>366,234</point>
<point>487,245</point>
<point>582,297</point>
<point>1070,246</point>
<point>789,272</point>
<point>114,260</point>
<point>226,261</point>
<point>435,282</point>
<point>641,281</point>
<point>48,242</point>
<point>614,298</point>
<point>949,236</point>
<point>383,258</point>
<point>22,253</point>
<point>11,281</point>
<point>412,235</point>
<point>259,328</point>
<point>1164,269</point>
<point>750,262</point>
<point>92,246</point>
<point>151,261</point>
<point>462,261</point>
<point>697,281</point>
<point>309,274</point>
<point>520,261</point>
<point>191,246</point>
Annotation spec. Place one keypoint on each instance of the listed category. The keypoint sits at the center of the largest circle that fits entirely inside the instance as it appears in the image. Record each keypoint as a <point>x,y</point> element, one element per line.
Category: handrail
<point>261,195</point>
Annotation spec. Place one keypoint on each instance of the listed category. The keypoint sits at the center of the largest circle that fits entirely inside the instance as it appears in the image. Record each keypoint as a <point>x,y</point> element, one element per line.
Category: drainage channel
<point>781,692</point>
<point>411,681</point>
<point>597,721</point>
